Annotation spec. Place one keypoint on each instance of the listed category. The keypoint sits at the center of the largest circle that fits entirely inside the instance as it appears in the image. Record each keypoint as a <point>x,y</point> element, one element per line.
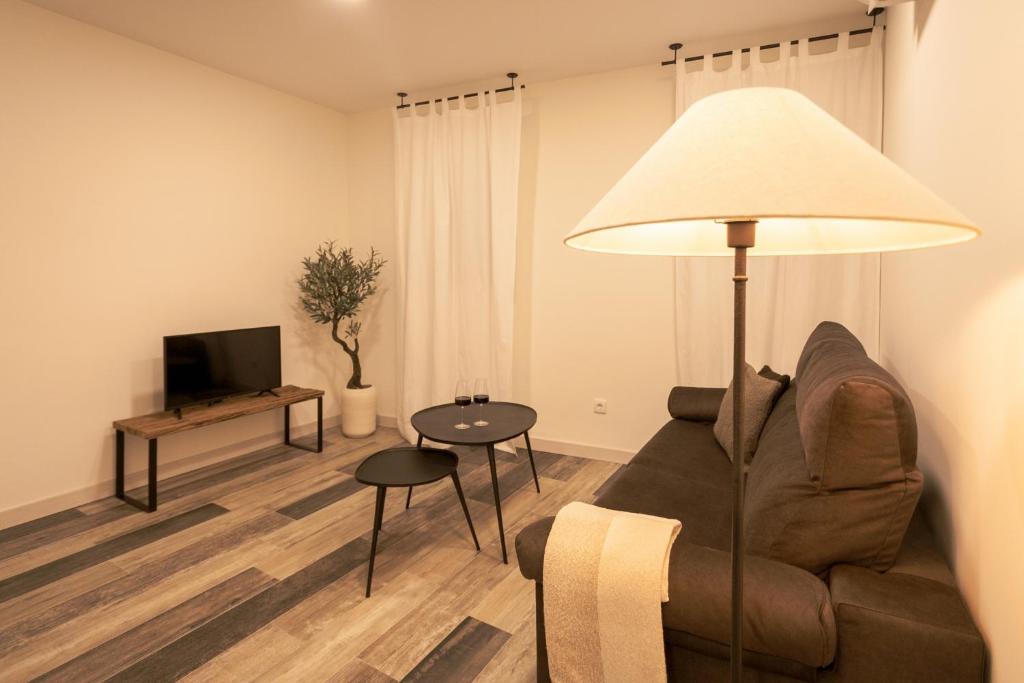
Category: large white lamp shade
<point>773,156</point>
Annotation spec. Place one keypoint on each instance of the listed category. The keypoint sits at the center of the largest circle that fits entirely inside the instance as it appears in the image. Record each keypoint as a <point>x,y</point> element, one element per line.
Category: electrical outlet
<point>600,406</point>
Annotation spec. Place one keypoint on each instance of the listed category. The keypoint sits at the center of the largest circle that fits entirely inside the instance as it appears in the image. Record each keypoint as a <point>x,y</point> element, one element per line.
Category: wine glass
<point>462,399</point>
<point>480,397</point>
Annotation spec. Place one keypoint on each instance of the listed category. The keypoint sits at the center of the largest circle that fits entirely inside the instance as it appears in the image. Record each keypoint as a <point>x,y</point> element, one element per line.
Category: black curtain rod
<point>507,88</point>
<point>512,76</point>
<point>770,46</point>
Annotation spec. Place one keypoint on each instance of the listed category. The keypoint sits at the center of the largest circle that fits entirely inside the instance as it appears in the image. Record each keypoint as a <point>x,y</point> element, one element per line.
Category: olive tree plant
<point>333,286</point>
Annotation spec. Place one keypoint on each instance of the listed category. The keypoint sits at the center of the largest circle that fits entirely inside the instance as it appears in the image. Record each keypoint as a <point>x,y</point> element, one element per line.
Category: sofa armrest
<point>530,544</point>
<point>896,626</point>
<point>787,611</point>
<point>695,403</point>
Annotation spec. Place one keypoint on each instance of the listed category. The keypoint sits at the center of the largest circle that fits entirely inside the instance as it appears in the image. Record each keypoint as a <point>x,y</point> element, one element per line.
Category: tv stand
<point>272,392</point>
<point>151,427</point>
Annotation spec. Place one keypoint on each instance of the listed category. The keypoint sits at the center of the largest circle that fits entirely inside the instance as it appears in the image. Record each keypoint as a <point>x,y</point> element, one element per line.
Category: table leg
<point>465,508</point>
<point>150,504</point>
<point>119,464</point>
<point>319,428</point>
<point>529,452</point>
<point>408,498</point>
<point>497,501</point>
<point>319,424</point>
<point>378,517</point>
<point>288,425</point>
<point>152,475</point>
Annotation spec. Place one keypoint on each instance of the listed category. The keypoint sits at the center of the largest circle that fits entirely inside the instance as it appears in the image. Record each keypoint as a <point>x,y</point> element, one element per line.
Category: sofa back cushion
<point>834,478</point>
<point>857,424</point>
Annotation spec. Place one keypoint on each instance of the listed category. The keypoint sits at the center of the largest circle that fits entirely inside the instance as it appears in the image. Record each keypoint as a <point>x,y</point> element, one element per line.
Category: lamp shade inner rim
<point>775,236</point>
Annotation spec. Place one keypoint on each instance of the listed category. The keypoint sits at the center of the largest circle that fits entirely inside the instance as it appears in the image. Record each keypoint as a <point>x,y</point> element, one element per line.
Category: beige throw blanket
<point>605,577</point>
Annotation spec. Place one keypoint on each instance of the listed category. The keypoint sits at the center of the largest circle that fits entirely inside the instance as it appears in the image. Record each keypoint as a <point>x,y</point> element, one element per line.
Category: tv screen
<point>208,366</point>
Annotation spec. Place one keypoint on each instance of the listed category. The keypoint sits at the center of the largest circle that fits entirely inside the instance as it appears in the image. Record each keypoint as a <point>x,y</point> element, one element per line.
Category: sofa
<point>843,579</point>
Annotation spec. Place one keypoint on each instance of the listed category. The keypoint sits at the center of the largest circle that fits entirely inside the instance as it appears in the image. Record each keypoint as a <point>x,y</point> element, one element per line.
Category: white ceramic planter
<point>358,412</point>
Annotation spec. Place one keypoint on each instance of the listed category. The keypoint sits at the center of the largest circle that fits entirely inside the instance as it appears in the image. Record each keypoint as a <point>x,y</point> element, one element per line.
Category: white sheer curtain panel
<point>787,296</point>
<point>456,189</point>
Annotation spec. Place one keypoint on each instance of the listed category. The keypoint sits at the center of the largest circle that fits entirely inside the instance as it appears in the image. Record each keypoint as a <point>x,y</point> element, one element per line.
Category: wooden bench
<point>155,425</point>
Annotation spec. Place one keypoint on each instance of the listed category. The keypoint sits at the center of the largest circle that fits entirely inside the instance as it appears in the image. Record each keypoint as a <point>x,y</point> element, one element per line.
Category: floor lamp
<point>764,171</point>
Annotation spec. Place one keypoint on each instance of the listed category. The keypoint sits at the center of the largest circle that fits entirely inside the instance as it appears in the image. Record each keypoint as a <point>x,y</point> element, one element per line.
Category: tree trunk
<point>356,381</point>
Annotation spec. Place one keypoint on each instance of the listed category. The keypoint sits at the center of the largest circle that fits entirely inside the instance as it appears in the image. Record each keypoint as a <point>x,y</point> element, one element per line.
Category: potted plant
<point>333,288</point>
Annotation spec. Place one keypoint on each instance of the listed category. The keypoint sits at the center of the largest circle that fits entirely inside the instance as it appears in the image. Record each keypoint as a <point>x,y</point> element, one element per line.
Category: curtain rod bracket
<point>675,47</point>
<point>512,76</point>
<point>402,96</point>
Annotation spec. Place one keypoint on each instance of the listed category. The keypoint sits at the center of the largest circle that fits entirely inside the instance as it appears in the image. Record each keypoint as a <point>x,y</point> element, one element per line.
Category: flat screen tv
<point>209,366</point>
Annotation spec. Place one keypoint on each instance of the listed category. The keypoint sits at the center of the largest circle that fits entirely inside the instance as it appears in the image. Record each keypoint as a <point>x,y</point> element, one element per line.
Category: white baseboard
<point>387,421</point>
<point>105,488</point>
<point>581,450</point>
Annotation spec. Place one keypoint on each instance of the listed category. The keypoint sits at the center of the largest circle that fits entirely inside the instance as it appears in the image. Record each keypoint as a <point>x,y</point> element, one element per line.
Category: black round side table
<point>505,421</point>
<point>407,466</point>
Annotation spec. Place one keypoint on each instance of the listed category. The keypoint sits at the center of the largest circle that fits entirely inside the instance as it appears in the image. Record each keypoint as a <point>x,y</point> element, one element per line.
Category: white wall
<point>372,223</point>
<point>599,325</point>
<point>141,195</point>
<point>953,318</point>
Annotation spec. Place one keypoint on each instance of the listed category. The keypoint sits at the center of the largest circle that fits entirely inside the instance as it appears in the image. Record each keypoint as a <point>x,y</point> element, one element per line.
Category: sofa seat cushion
<point>687,449</point>
<point>902,627</point>
<point>704,510</point>
<point>656,483</point>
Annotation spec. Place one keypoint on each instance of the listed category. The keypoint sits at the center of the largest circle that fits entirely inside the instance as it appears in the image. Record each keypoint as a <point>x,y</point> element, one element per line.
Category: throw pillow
<point>766,371</point>
<point>758,398</point>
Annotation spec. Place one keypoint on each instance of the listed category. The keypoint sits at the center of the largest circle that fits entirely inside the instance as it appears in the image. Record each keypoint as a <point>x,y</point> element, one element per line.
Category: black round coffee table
<point>506,421</point>
<point>407,466</point>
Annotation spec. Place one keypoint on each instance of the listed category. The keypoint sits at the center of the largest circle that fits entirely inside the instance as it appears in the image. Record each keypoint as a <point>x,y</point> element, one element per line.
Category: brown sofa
<point>843,580</point>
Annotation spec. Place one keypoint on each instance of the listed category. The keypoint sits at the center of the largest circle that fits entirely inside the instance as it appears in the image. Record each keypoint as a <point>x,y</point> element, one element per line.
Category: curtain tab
<point>844,42</point>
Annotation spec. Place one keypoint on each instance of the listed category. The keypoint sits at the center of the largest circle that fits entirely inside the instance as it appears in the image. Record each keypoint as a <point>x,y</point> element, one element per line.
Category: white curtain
<point>456,189</point>
<point>786,296</point>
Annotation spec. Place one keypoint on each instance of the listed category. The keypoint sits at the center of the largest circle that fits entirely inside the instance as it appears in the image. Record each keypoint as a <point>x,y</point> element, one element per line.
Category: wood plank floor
<point>255,569</point>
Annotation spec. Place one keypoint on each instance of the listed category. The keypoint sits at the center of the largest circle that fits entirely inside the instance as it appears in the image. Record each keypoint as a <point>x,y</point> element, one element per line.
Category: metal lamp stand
<point>740,238</point>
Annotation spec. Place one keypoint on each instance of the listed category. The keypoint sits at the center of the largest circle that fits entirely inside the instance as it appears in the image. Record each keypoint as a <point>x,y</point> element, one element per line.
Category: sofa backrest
<point>857,424</point>
<point>834,477</point>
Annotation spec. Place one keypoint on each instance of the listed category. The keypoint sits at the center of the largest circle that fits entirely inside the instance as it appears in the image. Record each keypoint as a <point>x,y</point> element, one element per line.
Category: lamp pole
<point>740,236</point>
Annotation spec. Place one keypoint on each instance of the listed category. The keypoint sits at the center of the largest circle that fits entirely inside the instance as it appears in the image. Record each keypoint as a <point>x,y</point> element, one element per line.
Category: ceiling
<point>355,54</point>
